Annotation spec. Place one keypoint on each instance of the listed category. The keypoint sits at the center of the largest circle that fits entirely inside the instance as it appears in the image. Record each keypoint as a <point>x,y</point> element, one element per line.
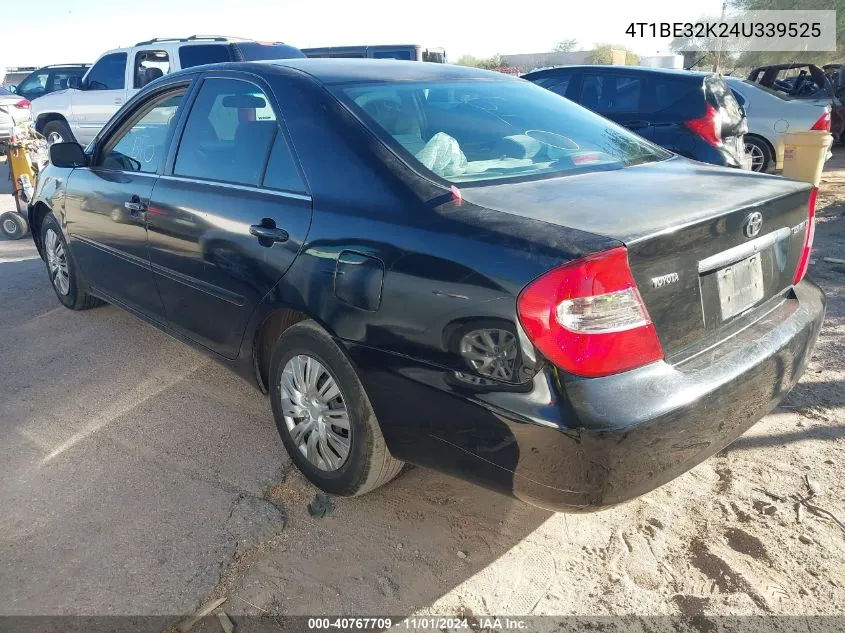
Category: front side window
<point>109,73</point>
<point>470,130</point>
<point>149,66</point>
<point>228,133</point>
<point>141,146</point>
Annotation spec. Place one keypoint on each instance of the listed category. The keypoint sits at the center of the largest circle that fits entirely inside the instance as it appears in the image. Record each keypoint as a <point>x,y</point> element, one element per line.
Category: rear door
<point>103,93</point>
<point>230,214</point>
<point>106,204</point>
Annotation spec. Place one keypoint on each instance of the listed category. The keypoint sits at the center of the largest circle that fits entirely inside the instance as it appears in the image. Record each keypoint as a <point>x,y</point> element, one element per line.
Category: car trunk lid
<point>707,246</point>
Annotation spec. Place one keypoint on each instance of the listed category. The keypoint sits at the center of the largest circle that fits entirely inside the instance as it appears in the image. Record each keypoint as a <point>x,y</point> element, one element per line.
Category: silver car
<point>770,115</point>
<point>14,109</point>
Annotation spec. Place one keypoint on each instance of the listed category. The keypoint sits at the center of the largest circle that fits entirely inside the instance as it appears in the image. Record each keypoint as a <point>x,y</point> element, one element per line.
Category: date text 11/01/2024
<point>689,30</point>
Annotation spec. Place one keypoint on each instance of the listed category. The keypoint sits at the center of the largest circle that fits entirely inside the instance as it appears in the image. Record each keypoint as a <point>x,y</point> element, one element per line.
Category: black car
<point>50,79</point>
<point>445,266</point>
<point>693,114</point>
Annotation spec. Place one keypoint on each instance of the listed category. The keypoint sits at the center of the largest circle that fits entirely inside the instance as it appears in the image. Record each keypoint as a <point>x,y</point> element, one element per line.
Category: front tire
<point>13,225</point>
<point>64,276</point>
<point>57,132</point>
<point>324,416</point>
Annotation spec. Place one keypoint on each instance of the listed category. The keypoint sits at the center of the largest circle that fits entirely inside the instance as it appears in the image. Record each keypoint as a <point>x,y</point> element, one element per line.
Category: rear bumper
<point>582,444</point>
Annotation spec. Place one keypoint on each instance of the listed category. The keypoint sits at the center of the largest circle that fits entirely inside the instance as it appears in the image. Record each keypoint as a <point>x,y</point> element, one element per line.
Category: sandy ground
<point>188,495</point>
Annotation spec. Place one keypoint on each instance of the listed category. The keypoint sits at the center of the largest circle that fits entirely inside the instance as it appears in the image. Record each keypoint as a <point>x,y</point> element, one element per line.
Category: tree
<point>565,46</point>
<point>468,60</point>
<point>603,54</point>
<point>488,63</point>
<point>758,58</point>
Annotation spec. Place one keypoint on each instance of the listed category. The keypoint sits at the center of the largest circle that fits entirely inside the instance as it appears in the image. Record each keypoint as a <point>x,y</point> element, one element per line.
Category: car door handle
<point>135,206</point>
<point>269,233</point>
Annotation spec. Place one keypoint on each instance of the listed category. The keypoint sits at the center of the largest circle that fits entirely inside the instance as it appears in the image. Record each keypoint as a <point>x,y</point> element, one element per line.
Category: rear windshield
<point>470,130</point>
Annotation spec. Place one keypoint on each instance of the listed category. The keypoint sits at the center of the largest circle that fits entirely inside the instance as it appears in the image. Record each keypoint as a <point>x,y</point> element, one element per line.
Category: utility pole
<point>716,63</point>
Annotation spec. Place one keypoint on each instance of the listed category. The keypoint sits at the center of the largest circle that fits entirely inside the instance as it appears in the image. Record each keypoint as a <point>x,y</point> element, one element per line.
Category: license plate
<point>740,286</point>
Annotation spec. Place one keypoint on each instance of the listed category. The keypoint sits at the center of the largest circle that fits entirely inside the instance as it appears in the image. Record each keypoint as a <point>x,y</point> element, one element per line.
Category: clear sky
<point>56,31</point>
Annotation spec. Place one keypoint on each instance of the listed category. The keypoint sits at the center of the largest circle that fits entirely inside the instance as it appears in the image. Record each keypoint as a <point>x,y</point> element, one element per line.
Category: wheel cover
<point>10,226</point>
<point>315,413</point>
<point>492,352</point>
<point>57,262</point>
<point>757,158</point>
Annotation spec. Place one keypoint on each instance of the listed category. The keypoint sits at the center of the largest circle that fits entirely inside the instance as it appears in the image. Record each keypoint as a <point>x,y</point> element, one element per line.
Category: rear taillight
<point>709,126</point>
<point>587,317</point>
<point>823,124</point>
<point>809,235</point>
<point>23,103</point>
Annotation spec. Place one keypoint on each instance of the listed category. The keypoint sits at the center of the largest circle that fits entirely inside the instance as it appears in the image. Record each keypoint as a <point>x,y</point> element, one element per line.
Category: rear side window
<point>669,91</point>
<point>199,54</point>
<point>109,73</point>
<point>149,66</point>
<point>557,83</point>
<point>612,93</point>
<point>281,170</point>
<point>228,133</point>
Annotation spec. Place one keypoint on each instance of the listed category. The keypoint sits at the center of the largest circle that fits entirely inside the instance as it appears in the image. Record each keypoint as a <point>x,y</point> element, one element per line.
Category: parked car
<point>79,113</point>
<point>444,266</point>
<point>407,52</point>
<point>50,79</point>
<point>690,113</point>
<point>770,115</point>
<point>14,109</point>
<point>807,82</point>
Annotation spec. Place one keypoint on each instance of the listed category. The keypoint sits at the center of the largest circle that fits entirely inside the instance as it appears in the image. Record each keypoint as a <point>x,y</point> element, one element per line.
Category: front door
<point>107,204</point>
<point>230,219</point>
<point>102,94</point>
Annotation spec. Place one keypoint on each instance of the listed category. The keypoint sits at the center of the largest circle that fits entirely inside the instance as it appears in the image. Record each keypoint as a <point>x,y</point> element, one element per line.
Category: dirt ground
<point>723,539</point>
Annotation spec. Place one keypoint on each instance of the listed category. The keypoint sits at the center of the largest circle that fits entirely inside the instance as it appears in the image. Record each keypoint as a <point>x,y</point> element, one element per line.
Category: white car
<point>14,109</point>
<point>770,115</point>
<point>80,112</point>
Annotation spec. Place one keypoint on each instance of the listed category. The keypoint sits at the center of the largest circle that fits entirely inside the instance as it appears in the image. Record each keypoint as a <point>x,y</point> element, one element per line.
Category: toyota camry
<point>428,264</point>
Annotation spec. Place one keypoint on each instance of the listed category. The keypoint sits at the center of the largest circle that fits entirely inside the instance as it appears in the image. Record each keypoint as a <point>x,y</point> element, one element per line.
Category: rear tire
<point>64,275</point>
<point>367,463</point>
<point>13,225</point>
<point>57,131</point>
<point>761,154</point>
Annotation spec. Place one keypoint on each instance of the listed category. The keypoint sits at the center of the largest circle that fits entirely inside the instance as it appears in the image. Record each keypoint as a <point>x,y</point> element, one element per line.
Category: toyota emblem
<point>753,224</point>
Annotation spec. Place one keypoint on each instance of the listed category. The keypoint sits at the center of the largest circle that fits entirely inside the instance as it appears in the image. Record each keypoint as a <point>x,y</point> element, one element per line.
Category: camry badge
<point>753,224</point>
<point>664,280</point>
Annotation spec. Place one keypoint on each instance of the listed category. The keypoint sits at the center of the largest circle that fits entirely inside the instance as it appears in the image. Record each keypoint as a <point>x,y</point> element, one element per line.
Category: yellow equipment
<point>26,153</point>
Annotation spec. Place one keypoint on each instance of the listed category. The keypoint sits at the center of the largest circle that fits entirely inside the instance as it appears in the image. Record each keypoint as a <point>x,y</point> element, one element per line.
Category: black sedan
<point>443,266</point>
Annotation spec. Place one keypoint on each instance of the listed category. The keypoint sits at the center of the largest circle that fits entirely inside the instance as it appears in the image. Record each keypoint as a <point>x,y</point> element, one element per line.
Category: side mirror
<point>74,82</point>
<point>67,155</point>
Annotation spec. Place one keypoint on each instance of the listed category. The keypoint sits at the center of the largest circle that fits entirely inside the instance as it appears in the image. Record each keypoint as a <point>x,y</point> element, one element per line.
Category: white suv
<point>79,112</point>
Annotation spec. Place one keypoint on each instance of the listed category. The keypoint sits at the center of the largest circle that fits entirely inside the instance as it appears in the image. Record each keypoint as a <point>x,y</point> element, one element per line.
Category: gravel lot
<point>138,477</point>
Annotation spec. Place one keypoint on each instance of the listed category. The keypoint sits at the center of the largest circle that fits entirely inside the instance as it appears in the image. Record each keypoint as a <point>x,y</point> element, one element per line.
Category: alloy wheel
<point>315,413</point>
<point>57,262</point>
<point>757,157</point>
<point>492,352</point>
<point>10,227</point>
